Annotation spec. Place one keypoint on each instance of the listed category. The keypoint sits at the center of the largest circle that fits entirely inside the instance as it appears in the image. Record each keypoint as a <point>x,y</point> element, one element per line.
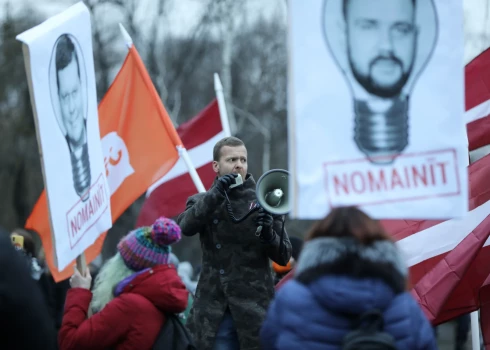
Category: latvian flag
<point>168,195</point>
<point>450,260</point>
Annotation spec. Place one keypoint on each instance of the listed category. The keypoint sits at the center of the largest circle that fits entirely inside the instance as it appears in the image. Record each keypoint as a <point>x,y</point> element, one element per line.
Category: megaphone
<point>272,191</point>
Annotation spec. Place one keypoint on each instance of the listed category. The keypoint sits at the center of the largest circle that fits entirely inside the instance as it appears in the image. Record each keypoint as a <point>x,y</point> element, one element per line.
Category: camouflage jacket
<point>236,270</point>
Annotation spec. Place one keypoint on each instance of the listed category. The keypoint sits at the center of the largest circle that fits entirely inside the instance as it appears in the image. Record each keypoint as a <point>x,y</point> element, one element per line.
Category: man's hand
<point>224,182</point>
<point>265,220</point>
<point>79,281</point>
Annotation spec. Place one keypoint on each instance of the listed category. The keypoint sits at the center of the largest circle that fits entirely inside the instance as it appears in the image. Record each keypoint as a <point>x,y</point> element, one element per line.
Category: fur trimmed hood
<point>348,257</point>
<point>338,279</point>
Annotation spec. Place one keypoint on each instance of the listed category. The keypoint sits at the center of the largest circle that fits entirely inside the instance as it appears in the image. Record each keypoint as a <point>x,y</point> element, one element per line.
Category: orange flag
<point>139,143</point>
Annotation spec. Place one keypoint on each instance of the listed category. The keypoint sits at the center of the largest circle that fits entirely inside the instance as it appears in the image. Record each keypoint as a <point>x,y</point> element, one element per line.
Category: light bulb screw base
<point>381,135</point>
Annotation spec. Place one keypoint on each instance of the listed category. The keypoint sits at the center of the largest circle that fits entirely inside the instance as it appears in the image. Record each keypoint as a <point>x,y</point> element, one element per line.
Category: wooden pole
<point>82,264</point>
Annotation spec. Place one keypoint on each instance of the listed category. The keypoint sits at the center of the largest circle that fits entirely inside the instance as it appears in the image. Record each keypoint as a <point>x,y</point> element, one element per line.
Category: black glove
<point>265,220</point>
<point>224,182</point>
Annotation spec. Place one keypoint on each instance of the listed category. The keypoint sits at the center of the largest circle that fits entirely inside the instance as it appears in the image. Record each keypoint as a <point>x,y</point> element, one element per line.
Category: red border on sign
<point>88,228</point>
<point>407,155</point>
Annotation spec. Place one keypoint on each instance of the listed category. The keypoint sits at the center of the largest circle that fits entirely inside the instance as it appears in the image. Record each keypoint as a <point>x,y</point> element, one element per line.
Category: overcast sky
<point>184,13</point>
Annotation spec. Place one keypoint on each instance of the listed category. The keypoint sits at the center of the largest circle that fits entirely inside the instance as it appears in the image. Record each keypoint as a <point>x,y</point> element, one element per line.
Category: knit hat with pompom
<point>149,246</point>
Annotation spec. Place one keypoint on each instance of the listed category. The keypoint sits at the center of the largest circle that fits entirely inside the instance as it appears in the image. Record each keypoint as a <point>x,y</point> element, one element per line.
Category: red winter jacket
<point>132,320</point>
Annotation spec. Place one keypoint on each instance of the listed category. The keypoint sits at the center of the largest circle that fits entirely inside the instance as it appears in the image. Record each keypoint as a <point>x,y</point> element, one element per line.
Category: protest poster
<point>60,70</point>
<point>376,108</point>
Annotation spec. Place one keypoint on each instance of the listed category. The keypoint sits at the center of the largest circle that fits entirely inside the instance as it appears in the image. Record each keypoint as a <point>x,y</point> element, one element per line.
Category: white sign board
<point>376,93</point>
<point>60,70</point>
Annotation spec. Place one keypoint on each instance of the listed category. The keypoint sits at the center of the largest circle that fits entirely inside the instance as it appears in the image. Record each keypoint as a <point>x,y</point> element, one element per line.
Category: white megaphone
<point>272,192</point>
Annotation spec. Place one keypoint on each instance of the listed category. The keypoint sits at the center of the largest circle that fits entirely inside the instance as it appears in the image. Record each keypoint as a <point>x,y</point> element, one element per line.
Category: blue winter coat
<point>305,315</point>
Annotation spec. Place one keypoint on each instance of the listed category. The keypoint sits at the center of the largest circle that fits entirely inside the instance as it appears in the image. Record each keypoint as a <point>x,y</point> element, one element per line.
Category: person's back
<point>132,320</point>
<point>24,317</point>
<point>337,279</point>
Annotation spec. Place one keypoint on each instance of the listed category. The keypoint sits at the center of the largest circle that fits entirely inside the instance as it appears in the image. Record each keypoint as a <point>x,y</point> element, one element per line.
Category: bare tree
<point>20,167</point>
<point>252,63</point>
<point>228,25</point>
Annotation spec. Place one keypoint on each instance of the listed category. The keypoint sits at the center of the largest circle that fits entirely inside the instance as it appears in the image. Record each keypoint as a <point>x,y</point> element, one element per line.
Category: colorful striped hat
<point>149,246</point>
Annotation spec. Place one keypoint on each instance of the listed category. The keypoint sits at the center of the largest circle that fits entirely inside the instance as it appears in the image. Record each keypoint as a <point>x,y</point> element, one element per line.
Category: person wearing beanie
<point>132,294</point>
<point>281,271</point>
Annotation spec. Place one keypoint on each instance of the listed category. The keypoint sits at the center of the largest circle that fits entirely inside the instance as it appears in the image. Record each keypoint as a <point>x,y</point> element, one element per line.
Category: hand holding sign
<point>79,281</point>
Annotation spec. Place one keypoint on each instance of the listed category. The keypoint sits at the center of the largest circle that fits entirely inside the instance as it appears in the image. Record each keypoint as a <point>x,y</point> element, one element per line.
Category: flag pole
<point>475,331</point>
<point>192,170</point>
<point>81,264</point>
<point>223,114</point>
<point>126,36</point>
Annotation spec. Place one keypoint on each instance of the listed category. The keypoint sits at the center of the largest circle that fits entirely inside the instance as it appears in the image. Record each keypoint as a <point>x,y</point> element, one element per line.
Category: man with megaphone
<point>240,226</point>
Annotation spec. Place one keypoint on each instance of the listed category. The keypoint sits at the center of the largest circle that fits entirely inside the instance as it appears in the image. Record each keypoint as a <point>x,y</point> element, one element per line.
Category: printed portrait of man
<point>380,47</point>
<point>73,112</point>
<point>381,43</point>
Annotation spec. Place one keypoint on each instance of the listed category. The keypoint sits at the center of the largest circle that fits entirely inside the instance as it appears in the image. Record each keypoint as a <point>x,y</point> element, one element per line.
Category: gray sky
<point>476,24</point>
<point>184,13</point>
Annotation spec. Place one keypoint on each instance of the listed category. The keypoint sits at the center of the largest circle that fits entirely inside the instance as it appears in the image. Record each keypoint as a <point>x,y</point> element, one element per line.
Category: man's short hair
<point>65,51</point>
<point>346,3</point>
<point>230,141</point>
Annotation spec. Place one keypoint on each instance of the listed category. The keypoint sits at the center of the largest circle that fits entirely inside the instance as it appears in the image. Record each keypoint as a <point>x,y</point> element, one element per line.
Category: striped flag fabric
<point>445,257</point>
<point>449,260</point>
<point>168,195</point>
<point>477,80</point>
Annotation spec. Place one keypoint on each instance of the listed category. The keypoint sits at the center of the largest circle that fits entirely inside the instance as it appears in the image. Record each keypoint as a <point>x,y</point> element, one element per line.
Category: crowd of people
<point>344,286</point>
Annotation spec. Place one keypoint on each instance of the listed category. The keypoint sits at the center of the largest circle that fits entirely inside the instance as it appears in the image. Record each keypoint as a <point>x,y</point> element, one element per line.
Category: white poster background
<point>321,120</point>
<point>76,219</point>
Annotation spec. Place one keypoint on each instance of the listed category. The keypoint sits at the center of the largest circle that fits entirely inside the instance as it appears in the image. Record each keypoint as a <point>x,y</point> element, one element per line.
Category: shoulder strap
<point>181,328</point>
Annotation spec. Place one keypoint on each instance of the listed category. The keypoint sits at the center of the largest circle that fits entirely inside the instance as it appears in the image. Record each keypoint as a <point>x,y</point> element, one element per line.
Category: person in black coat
<point>24,317</point>
<point>54,292</point>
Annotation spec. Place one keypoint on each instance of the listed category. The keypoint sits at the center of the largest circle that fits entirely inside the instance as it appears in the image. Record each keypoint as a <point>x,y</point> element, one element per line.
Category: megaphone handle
<point>259,231</point>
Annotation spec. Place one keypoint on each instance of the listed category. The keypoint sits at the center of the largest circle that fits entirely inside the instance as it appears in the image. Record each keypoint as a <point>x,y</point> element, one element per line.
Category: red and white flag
<point>450,259</point>
<point>445,258</point>
<point>477,81</point>
<point>168,195</point>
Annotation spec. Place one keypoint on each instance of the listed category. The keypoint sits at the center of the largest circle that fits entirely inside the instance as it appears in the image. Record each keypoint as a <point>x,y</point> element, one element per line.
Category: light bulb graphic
<point>69,94</point>
<point>381,47</point>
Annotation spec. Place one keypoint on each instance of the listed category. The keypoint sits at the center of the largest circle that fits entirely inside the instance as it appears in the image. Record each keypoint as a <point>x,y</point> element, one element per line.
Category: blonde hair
<point>111,273</point>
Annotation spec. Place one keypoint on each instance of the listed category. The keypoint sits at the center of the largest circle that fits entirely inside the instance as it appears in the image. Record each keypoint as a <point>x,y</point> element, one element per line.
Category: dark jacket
<point>55,295</point>
<point>336,279</point>
<point>236,272</point>
<point>24,317</point>
<point>132,320</point>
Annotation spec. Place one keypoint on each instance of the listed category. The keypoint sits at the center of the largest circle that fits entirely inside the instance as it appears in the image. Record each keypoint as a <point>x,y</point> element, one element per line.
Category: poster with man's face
<point>376,108</point>
<point>60,70</point>
<point>69,99</point>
